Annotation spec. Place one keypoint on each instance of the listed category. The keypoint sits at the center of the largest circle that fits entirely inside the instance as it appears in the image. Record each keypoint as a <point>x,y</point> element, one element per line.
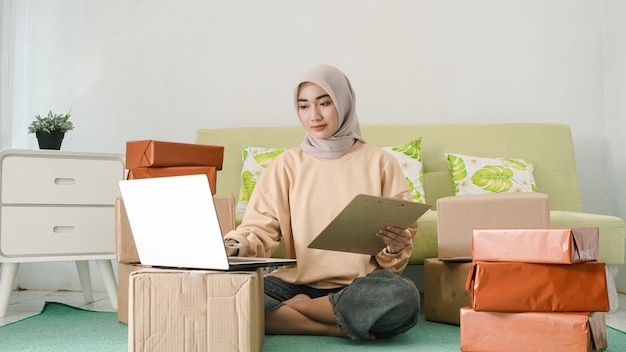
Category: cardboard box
<point>151,172</point>
<point>550,246</point>
<point>151,153</point>
<point>195,310</point>
<point>529,287</point>
<point>530,332</point>
<point>458,216</point>
<point>125,249</point>
<point>444,290</point>
<point>123,274</point>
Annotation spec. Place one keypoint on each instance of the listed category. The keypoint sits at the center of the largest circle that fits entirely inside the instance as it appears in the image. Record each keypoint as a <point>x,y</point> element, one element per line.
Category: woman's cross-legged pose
<point>329,292</point>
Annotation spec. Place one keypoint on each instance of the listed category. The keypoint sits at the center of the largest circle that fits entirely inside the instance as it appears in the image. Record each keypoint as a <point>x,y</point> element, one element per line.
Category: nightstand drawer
<point>60,180</point>
<point>35,231</point>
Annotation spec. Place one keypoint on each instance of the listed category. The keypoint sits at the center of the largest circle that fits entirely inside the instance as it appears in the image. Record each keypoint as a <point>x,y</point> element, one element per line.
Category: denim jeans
<point>382,303</point>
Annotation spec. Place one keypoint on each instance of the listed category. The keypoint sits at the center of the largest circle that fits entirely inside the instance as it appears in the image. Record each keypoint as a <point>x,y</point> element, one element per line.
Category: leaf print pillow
<point>409,156</point>
<point>478,175</point>
<point>255,162</point>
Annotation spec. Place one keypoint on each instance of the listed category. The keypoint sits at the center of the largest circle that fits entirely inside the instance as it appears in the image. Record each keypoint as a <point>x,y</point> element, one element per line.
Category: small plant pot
<point>51,140</point>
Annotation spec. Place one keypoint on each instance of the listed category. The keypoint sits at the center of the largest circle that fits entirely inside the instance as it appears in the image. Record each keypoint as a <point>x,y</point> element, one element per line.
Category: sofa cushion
<point>611,242</point>
<point>479,175</point>
<point>409,156</point>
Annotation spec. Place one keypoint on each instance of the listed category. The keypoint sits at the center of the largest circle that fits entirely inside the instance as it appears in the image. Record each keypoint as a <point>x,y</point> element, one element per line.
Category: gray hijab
<point>338,87</point>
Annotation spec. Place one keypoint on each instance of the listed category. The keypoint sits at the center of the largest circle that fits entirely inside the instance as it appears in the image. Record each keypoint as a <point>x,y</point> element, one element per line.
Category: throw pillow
<point>255,162</point>
<point>409,156</point>
<point>478,175</point>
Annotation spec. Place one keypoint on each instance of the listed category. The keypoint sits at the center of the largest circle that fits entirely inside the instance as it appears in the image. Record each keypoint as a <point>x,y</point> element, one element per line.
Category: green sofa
<point>549,146</point>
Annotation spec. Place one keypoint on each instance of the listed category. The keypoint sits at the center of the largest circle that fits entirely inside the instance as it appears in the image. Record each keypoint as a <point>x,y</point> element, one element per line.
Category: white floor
<point>23,304</point>
<point>617,319</point>
<point>27,303</point>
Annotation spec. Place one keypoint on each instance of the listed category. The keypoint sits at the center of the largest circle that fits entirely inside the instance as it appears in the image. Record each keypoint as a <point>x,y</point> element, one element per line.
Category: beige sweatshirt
<point>299,195</point>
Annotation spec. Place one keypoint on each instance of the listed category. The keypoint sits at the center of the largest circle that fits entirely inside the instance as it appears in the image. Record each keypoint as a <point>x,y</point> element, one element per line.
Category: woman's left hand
<point>396,238</point>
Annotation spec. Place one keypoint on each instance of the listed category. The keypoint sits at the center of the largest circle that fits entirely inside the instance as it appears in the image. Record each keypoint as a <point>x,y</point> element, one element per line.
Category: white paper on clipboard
<point>354,229</point>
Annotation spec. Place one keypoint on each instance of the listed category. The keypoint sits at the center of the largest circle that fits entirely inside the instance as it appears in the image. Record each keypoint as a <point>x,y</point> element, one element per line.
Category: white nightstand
<point>58,206</point>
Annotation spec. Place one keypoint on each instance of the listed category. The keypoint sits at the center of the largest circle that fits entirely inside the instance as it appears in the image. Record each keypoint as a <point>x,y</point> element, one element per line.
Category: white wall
<point>614,88</point>
<point>161,69</point>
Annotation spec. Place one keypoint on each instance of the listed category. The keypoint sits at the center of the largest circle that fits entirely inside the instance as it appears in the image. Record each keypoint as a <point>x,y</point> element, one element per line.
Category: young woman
<point>329,292</point>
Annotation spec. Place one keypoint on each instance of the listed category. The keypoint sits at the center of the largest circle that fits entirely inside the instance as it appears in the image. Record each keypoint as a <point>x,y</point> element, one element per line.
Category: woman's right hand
<point>232,247</point>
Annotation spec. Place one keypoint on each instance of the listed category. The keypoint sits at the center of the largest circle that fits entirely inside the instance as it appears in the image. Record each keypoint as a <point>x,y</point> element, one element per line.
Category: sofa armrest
<point>612,231</point>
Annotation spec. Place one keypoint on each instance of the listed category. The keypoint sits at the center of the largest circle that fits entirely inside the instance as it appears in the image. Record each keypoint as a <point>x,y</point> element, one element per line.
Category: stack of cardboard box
<point>126,251</point>
<point>457,217</point>
<point>195,310</point>
<point>176,309</point>
<point>150,158</point>
<point>535,289</point>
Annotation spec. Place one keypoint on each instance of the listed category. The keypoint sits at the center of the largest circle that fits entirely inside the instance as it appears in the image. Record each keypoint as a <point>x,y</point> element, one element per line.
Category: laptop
<point>175,224</point>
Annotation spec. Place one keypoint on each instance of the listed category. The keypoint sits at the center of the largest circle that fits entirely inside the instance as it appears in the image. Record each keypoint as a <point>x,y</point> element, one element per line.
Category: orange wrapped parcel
<point>546,245</point>
<point>531,332</point>
<point>529,287</point>
<point>151,153</point>
<point>151,172</point>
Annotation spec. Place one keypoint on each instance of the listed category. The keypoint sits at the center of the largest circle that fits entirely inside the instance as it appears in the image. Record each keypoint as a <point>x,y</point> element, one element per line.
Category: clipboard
<point>354,229</point>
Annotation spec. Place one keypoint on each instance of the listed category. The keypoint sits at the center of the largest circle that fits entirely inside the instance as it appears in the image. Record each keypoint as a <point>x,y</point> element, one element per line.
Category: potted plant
<point>51,129</point>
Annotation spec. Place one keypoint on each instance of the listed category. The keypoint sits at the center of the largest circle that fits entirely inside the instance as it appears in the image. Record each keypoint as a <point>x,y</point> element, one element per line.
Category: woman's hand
<point>396,238</point>
<point>232,247</point>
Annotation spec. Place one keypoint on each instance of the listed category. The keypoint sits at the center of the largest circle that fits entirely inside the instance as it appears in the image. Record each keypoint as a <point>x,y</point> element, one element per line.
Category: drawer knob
<point>64,181</point>
<point>63,229</point>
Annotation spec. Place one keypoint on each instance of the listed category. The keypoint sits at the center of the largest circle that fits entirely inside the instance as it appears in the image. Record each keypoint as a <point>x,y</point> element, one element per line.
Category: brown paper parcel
<point>123,273</point>
<point>528,287</point>
<point>151,153</point>
<point>195,310</point>
<point>444,290</point>
<point>458,216</point>
<point>530,332</point>
<point>549,245</point>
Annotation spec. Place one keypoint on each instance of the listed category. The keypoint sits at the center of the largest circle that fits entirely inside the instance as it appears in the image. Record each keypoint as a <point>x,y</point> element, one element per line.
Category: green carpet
<point>60,327</point>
